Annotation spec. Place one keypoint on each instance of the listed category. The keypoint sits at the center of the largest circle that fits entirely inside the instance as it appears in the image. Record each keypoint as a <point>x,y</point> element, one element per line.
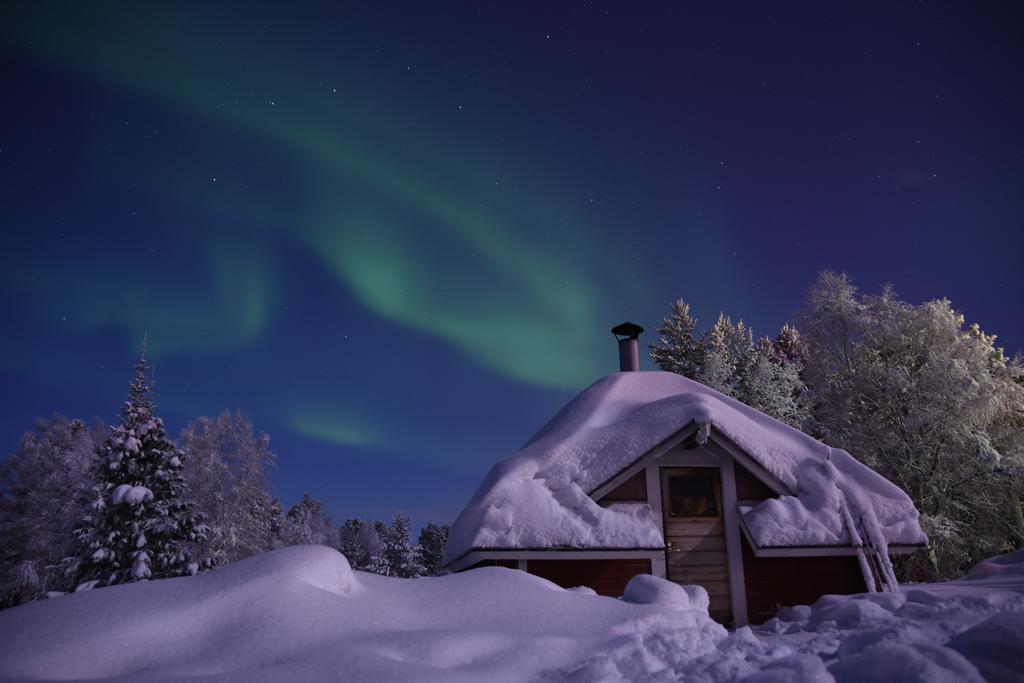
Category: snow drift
<point>539,497</point>
<point>301,615</point>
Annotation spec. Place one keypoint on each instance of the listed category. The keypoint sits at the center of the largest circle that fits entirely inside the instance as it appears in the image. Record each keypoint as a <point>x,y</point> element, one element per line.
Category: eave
<point>834,550</point>
<point>471,557</point>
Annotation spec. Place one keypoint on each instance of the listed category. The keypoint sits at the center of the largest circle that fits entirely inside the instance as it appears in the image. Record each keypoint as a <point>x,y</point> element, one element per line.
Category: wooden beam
<point>733,544</point>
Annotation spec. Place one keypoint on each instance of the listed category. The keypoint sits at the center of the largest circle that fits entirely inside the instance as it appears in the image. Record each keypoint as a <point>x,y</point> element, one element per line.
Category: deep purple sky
<point>398,240</point>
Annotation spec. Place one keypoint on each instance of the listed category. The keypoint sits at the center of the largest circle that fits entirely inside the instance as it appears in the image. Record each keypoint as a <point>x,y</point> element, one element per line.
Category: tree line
<point>86,505</point>
<point>928,402</point>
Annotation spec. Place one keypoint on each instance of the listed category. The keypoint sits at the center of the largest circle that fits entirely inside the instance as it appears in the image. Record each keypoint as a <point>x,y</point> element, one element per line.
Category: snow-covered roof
<point>539,498</point>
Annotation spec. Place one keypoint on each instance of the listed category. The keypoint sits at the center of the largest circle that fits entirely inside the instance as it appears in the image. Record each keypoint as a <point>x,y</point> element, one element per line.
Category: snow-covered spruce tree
<point>772,384</point>
<point>374,537</point>
<point>789,347</point>
<point>728,356</point>
<point>143,522</point>
<point>276,524</point>
<point>399,553</point>
<point>430,547</point>
<point>227,470</point>
<point>725,358</point>
<point>44,493</point>
<point>351,543</point>
<point>932,405</point>
<point>307,524</point>
<point>677,349</point>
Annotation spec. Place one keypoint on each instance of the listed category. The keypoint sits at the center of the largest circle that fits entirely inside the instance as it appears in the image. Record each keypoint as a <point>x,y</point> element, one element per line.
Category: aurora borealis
<point>397,237</point>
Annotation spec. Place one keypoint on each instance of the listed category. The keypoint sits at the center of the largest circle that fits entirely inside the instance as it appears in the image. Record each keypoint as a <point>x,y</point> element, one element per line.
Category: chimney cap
<point>628,330</point>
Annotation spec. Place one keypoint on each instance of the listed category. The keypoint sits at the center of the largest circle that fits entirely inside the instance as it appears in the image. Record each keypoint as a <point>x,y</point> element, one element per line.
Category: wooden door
<point>691,501</point>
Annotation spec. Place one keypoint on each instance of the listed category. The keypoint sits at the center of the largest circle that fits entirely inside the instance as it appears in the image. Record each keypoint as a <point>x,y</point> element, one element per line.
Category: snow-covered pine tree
<point>772,384</point>
<point>227,471</point>
<point>307,524</point>
<point>728,355</point>
<point>677,349</point>
<point>276,524</point>
<point>430,546</point>
<point>350,543</point>
<point>725,358</point>
<point>143,522</point>
<point>789,347</point>
<point>399,553</point>
<point>374,537</point>
<point>44,493</point>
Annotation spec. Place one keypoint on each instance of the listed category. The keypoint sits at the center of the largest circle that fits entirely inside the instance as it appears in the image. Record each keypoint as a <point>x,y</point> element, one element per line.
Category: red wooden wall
<point>749,487</point>
<point>606,577</point>
<point>633,489</point>
<point>772,582</point>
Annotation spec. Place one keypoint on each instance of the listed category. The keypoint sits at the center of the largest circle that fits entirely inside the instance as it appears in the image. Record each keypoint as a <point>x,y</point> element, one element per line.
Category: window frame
<point>712,473</point>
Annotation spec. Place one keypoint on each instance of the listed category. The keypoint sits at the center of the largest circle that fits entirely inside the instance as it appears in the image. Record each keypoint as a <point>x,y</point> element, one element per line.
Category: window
<point>692,495</point>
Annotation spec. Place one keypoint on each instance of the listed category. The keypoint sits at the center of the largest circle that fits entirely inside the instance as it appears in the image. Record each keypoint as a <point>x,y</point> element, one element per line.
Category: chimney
<point>629,347</point>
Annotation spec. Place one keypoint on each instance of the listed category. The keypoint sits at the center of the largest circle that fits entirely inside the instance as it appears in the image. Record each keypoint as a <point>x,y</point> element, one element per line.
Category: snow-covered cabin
<point>650,472</point>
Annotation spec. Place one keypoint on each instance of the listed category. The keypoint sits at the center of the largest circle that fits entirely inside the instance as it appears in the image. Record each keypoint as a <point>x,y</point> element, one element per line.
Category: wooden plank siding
<point>700,543</point>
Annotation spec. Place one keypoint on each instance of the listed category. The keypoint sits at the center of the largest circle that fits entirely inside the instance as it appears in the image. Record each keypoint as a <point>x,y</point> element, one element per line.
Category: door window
<point>692,495</point>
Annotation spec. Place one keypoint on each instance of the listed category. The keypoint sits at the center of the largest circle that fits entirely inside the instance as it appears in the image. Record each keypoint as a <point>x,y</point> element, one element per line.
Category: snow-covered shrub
<point>44,488</point>
<point>931,404</point>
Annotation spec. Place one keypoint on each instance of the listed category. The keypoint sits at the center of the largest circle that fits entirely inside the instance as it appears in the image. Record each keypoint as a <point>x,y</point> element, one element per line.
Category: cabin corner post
<point>733,543</point>
<point>659,565</point>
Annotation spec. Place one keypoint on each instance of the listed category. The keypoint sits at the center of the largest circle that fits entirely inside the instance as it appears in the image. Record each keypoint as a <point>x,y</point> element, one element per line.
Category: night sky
<point>397,237</point>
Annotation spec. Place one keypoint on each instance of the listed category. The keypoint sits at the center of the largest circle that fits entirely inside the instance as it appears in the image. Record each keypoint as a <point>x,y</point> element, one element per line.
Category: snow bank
<point>1008,567</point>
<point>539,497</point>
<point>645,589</point>
<point>183,625</point>
<point>995,646</point>
<point>301,615</point>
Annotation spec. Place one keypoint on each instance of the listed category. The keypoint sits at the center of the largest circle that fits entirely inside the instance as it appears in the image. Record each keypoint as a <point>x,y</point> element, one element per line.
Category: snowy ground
<point>300,614</point>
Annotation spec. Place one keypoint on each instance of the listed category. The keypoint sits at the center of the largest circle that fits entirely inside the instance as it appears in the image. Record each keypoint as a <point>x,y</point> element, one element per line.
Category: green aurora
<point>402,239</point>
